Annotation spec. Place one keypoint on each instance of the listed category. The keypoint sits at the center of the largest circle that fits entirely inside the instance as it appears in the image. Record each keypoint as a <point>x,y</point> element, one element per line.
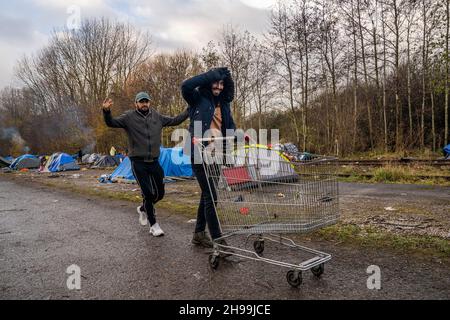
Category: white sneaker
<point>156,230</point>
<point>142,216</point>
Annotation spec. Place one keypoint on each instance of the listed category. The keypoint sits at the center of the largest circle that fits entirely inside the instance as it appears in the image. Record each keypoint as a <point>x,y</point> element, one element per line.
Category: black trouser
<point>150,177</point>
<point>206,213</point>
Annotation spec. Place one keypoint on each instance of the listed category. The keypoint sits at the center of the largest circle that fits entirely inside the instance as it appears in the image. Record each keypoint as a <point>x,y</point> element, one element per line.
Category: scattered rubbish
<point>104,178</point>
<point>404,194</point>
<point>134,190</point>
<point>54,201</point>
<point>76,176</point>
<point>240,198</point>
<point>192,221</point>
<point>390,209</point>
<point>244,211</point>
<point>281,195</point>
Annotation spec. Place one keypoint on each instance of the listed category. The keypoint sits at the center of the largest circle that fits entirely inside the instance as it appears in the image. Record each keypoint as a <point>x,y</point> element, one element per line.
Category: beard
<point>144,110</point>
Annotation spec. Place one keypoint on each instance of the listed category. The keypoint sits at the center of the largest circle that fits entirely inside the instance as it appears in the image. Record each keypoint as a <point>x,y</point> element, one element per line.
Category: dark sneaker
<point>202,239</point>
<point>225,252</point>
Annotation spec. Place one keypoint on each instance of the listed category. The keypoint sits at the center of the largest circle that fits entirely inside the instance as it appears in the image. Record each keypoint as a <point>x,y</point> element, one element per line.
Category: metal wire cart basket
<point>261,194</point>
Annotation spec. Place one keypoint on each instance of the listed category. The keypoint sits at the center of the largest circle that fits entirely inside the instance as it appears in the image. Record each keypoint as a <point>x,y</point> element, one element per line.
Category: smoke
<point>13,135</point>
<point>89,148</point>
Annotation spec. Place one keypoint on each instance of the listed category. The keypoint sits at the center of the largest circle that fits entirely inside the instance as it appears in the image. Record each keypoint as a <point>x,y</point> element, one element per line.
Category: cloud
<point>68,3</point>
<point>173,24</point>
<point>192,24</point>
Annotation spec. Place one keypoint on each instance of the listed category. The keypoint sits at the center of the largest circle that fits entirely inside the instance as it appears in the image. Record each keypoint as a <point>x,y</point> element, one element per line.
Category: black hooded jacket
<point>197,93</point>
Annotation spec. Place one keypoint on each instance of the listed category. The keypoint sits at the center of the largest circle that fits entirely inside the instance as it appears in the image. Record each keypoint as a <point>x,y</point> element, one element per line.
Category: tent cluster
<point>56,162</point>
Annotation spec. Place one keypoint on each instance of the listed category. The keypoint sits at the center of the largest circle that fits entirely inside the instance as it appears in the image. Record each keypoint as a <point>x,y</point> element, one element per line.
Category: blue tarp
<point>123,171</point>
<point>447,150</point>
<point>175,163</point>
<point>19,159</point>
<point>119,157</point>
<point>172,160</point>
<point>63,162</point>
<point>9,158</point>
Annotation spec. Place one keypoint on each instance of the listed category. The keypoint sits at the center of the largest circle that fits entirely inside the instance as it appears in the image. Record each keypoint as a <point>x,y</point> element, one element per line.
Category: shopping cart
<point>261,194</point>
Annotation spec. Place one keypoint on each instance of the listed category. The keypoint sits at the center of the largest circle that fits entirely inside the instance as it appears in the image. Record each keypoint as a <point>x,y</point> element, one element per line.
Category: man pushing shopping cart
<point>253,192</point>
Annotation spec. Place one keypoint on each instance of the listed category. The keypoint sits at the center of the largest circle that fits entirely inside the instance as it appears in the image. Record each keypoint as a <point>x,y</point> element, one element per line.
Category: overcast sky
<point>26,25</point>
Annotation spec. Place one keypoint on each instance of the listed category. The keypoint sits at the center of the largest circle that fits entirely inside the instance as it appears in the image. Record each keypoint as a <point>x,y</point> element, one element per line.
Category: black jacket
<point>197,93</point>
<point>144,132</point>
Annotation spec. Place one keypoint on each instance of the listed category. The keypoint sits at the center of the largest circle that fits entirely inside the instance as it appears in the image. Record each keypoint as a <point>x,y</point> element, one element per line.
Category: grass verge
<point>370,237</point>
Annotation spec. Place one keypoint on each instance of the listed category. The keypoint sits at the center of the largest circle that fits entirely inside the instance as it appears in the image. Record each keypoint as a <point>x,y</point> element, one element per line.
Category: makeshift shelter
<point>93,158</point>
<point>105,161</point>
<point>85,158</point>
<point>26,161</point>
<point>60,162</point>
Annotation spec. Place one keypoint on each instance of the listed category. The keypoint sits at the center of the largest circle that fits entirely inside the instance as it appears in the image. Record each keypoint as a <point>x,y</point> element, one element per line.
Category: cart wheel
<point>294,279</point>
<point>259,246</point>
<point>318,270</point>
<point>214,261</point>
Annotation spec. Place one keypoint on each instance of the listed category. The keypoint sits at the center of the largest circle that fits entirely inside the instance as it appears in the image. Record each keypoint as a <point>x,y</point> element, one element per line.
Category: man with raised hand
<point>143,126</point>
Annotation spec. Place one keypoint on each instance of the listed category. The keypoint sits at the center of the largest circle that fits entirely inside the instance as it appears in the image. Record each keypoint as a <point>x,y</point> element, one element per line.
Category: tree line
<point>336,77</point>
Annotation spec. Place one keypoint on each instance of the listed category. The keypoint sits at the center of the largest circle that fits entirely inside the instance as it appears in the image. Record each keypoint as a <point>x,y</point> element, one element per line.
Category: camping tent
<point>123,171</point>
<point>105,161</point>
<point>92,158</point>
<point>265,164</point>
<point>172,160</point>
<point>60,162</point>
<point>255,164</point>
<point>5,162</point>
<point>85,158</point>
<point>26,161</point>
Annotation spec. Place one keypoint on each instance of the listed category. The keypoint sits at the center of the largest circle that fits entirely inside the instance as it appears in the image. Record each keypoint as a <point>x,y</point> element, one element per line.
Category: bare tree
<point>236,53</point>
<point>280,40</point>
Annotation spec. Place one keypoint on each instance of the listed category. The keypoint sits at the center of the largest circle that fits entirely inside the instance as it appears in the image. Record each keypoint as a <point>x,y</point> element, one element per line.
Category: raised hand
<point>107,104</point>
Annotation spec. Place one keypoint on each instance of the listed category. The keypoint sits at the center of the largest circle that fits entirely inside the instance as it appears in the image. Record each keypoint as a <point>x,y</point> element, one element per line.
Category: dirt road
<point>44,231</point>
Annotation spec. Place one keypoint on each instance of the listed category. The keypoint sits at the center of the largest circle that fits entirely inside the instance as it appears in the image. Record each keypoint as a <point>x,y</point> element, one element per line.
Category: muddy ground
<point>49,222</point>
